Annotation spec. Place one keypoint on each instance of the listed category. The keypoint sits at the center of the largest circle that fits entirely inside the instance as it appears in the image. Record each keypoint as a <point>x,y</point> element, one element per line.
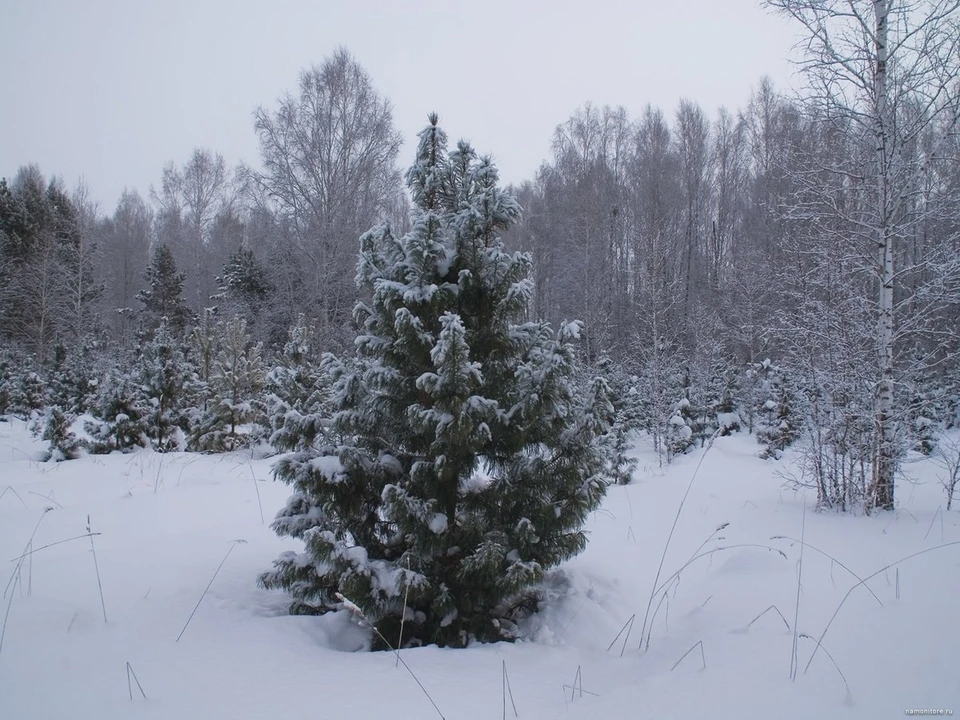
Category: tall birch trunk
<point>885,461</point>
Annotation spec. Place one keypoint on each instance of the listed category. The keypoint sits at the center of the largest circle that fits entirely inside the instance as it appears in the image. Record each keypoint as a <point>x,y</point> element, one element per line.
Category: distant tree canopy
<point>726,266</point>
<point>46,265</point>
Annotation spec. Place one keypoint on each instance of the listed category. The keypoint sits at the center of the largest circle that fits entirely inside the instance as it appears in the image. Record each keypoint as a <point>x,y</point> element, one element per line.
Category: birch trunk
<point>885,460</point>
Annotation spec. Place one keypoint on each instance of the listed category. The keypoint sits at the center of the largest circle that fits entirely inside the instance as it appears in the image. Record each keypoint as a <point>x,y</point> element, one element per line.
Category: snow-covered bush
<point>297,398</point>
<point>54,426</point>
<point>836,449</point>
<point>625,397</point>
<point>776,415</point>
<point>679,436</point>
<point>6,383</point>
<point>167,380</point>
<point>28,395</point>
<point>721,404</point>
<point>120,410</point>
<point>948,458</point>
<point>234,387</point>
<point>72,379</point>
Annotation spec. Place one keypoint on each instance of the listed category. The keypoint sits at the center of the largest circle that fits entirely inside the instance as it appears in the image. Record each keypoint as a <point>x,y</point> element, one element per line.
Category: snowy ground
<point>167,521</point>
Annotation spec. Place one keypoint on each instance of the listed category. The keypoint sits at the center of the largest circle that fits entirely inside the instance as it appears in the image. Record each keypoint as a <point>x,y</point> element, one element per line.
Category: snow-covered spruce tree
<point>659,383</point>
<point>236,381</point>
<point>297,399</point>
<point>777,416</point>
<point>120,410</point>
<point>6,383</point>
<point>72,379</point>
<point>166,379</point>
<point>925,397</point>
<point>462,459</point>
<point>627,419</point>
<point>243,288</point>
<point>951,399</point>
<point>757,386</point>
<point>721,403</point>
<point>54,427</point>
<point>163,297</point>
<point>679,437</point>
<point>683,426</point>
<point>204,344</point>
<point>28,395</point>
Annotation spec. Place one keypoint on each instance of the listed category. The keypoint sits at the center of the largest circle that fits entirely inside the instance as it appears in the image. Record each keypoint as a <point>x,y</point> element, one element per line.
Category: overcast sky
<point>111,90</point>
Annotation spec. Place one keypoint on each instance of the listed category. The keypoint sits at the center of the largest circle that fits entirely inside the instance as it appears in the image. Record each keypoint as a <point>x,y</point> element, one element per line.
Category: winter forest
<point>448,375</point>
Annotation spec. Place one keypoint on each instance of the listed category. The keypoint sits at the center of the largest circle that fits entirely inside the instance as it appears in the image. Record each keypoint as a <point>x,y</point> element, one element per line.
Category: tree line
<point>790,268</point>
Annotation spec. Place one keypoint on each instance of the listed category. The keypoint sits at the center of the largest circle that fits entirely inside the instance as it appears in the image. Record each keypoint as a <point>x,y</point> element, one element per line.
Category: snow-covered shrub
<point>680,436</point>
<point>28,395</point>
<point>776,416</point>
<point>54,426</point>
<point>72,379</point>
<point>167,380</point>
<point>721,404</point>
<point>836,448</point>
<point>625,397</point>
<point>948,458</point>
<point>235,383</point>
<point>297,397</point>
<point>120,410</point>
<point>6,383</point>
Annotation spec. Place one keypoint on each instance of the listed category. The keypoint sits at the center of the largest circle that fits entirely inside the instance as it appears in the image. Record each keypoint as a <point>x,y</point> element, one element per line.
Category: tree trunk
<point>885,462</point>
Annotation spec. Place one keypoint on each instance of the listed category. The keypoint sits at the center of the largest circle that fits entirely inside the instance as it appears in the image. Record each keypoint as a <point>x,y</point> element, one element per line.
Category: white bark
<point>886,72</point>
<point>885,460</point>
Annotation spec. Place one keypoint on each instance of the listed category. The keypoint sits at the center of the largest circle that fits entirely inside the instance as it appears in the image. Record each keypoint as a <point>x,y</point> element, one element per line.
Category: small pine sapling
<point>120,410</point>
<point>680,428</point>
<point>28,396</point>
<point>777,420</point>
<point>167,379</point>
<point>297,399</point>
<point>54,427</point>
<point>626,401</point>
<point>72,383</point>
<point>926,407</point>
<point>725,407</point>
<point>204,345</point>
<point>6,383</point>
<point>236,381</point>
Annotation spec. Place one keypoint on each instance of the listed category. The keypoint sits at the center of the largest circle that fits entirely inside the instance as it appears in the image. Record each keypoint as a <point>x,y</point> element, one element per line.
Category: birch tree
<point>190,200</point>
<point>82,283</point>
<point>654,183</point>
<point>729,179</point>
<point>884,74</point>
<point>577,227</point>
<point>692,139</point>
<point>126,255</point>
<point>329,171</point>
